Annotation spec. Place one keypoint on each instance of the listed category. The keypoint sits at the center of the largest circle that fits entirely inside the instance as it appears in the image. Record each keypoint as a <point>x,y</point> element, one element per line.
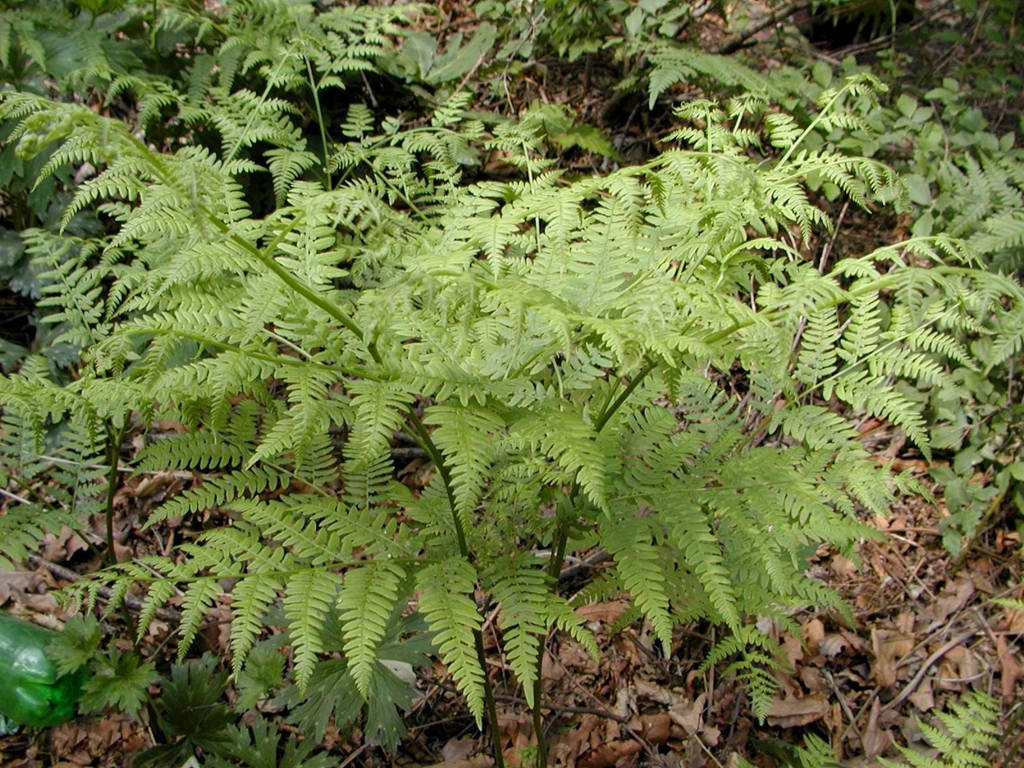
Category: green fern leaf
<point>196,604</point>
<point>446,602</point>
<point>521,592</point>
<point>639,563</point>
<point>467,438</point>
<point>366,601</point>
<point>308,598</point>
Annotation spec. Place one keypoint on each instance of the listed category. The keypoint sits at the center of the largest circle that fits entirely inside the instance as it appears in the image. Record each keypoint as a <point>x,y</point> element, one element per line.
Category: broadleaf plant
<point>593,361</point>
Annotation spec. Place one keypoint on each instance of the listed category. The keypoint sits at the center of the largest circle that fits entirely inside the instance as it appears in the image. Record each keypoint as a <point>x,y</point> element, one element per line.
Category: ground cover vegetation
<point>379,377</point>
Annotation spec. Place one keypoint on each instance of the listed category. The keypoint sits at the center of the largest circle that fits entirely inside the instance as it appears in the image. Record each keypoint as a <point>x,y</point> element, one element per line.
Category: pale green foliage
<point>53,468</point>
<point>445,600</point>
<point>367,599</point>
<point>559,348</point>
<point>964,737</point>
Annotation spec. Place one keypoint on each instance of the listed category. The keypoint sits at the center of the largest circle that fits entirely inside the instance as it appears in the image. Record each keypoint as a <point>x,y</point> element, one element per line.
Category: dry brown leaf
<point>458,749</point>
<point>814,633</point>
<point>607,755</point>
<point>793,650</point>
<point>952,599</point>
<point>923,698</point>
<point>1013,621</point>
<point>889,647</point>
<point>655,728</point>
<point>1009,667</point>
<point>875,739</point>
<point>795,712</point>
<point>685,713</point>
<point>480,761</point>
<point>958,666</point>
<point>606,612</point>
<point>550,671</point>
<point>153,484</point>
<point>46,605</point>
<point>832,645</point>
<point>843,566</point>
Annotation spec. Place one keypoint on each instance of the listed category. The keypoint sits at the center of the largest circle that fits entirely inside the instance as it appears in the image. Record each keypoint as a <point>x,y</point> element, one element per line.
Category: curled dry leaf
<point>795,712</point>
<point>889,648</point>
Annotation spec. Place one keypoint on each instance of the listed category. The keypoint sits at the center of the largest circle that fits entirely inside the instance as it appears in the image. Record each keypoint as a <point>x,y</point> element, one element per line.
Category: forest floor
<point>924,631</point>
<point>924,627</point>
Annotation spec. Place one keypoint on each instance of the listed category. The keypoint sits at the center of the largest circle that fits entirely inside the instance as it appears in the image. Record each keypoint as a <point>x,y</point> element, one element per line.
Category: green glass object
<point>31,691</point>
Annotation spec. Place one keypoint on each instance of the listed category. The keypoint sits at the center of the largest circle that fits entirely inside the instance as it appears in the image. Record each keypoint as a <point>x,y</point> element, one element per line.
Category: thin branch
<point>734,44</point>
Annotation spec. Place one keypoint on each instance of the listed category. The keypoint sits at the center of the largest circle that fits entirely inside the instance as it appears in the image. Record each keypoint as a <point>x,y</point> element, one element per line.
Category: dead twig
<point>734,44</point>
<point>164,614</point>
<point>915,681</point>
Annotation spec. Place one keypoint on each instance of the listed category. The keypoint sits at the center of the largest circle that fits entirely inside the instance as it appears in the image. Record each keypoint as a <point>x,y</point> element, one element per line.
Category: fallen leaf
<point>480,761</point>
<point>832,645</point>
<point>606,612</point>
<point>793,650</point>
<point>814,634</point>
<point>888,648</point>
<point>957,667</point>
<point>607,755</point>
<point>655,728</point>
<point>458,749</point>
<point>923,698</point>
<point>950,600</point>
<point>843,566</point>
<point>875,739</point>
<point>1009,667</point>
<point>794,712</point>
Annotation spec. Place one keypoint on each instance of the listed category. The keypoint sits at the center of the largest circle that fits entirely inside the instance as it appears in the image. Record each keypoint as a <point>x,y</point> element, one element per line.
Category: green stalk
<point>114,438</point>
<point>430,447</point>
<point>558,546</point>
<point>319,121</point>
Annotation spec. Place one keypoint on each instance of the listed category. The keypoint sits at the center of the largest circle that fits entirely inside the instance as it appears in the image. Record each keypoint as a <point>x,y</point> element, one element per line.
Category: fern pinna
<point>558,348</point>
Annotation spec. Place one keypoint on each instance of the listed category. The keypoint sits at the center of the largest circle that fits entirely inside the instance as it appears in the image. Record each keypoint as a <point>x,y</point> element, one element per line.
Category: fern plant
<point>963,737</point>
<point>563,350</point>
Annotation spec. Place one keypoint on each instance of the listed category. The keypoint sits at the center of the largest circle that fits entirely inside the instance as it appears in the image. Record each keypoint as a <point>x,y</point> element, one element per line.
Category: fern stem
<point>558,546</point>
<point>319,121</point>
<point>206,341</point>
<point>607,414</point>
<point>489,702</point>
<point>814,123</point>
<point>290,280</point>
<point>478,638</point>
<point>114,438</point>
<point>554,568</point>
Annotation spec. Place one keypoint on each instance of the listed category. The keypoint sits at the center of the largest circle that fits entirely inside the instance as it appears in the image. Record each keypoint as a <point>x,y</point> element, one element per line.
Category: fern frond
<point>365,604</point>
<point>522,594</point>
<point>639,565</point>
<point>308,598</point>
<point>466,436</point>
<point>968,736</point>
<point>445,600</point>
<point>198,600</point>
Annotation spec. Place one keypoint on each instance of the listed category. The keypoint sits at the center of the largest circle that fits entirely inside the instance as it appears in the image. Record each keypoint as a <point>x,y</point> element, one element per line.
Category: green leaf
<point>920,190</point>
<point>119,681</point>
<point>452,615</point>
<point>263,671</point>
<point>308,598</point>
<point>366,601</point>
<point>459,59</point>
<point>75,647</point>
